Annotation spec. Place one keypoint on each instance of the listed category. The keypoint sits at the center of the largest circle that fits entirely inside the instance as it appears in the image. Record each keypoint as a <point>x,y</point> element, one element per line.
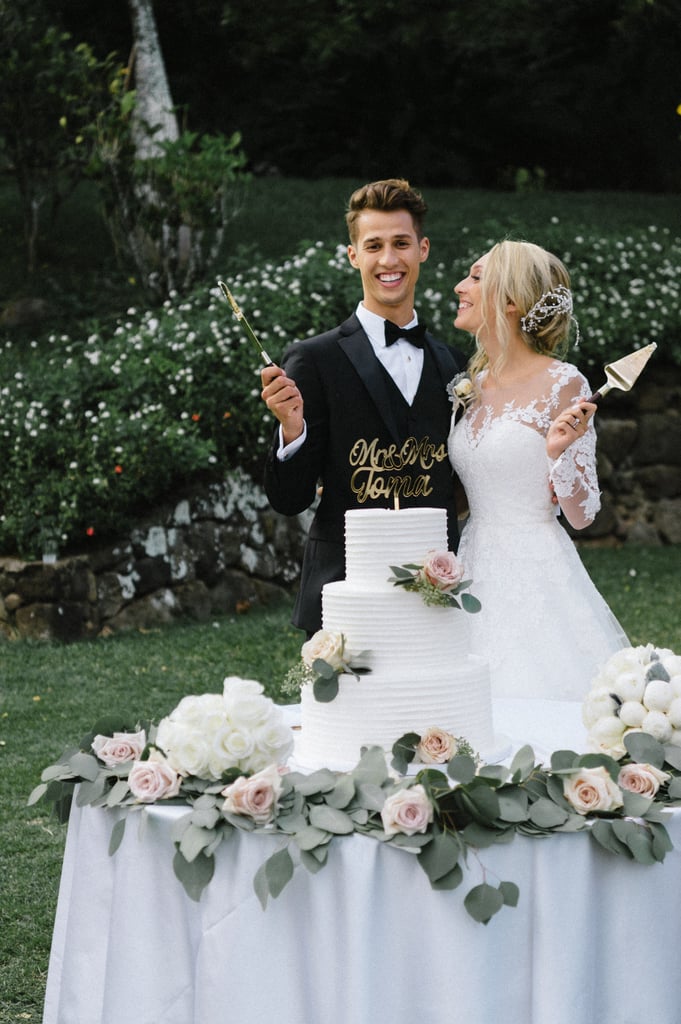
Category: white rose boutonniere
<point>461,391</point>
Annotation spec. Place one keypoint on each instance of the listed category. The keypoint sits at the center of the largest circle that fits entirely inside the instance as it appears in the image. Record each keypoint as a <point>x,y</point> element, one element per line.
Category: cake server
<point>625,372</point>
<point>245,324</point>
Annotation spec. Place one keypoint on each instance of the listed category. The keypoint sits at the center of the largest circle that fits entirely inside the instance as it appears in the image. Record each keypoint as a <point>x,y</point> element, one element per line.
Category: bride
<point>527,432</point>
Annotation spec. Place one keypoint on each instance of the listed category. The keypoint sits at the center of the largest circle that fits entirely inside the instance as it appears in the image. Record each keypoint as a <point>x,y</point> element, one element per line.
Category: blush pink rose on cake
<point>443,570</point>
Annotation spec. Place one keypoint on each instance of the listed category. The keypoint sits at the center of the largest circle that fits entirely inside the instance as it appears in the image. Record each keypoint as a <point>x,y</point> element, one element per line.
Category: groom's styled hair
<point>387,195</point>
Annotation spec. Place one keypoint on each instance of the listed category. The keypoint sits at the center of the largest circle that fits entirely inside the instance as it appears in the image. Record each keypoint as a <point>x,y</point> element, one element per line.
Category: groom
<point>362,409</point>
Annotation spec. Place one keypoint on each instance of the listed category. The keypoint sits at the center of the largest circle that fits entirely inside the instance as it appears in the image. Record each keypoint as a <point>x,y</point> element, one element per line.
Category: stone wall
<point>223,550</point>
<point>219,551</point>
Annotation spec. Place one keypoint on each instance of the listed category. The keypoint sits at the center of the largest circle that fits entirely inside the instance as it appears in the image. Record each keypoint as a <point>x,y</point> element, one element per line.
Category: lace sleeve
<point>573,474</point>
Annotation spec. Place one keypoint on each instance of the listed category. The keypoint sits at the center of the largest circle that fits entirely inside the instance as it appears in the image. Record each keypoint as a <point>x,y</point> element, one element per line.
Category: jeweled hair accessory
<point>548,305</point>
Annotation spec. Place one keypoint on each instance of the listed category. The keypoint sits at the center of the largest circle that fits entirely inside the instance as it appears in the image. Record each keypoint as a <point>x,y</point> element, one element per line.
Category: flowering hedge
<point>97,427</point>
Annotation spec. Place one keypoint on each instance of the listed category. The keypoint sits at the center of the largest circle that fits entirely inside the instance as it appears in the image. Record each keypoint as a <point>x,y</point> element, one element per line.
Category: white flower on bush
<point>255,797</point>
<point>408,811</point>
<point>436,746</point>
<point>443,570</point>
<point>240,728</point>
<point>325,646</point>
<point>153,779</point>
<point>592,789</point>
<point>642,778</point>
<point>119,748</point>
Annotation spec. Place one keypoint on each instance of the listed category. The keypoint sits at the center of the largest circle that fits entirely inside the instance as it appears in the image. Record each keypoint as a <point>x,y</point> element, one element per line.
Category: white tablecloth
<point>595,939</point>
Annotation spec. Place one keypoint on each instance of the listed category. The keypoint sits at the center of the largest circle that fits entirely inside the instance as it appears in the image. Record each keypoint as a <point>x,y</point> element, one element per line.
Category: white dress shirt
<point>402,360</point>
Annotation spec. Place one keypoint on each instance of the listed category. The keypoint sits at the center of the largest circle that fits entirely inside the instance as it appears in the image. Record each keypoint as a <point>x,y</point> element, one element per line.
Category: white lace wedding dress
<point>543,627</point>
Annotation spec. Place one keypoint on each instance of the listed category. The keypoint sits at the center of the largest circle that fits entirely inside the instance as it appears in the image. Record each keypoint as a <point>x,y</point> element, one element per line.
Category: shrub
<point>95,429</point>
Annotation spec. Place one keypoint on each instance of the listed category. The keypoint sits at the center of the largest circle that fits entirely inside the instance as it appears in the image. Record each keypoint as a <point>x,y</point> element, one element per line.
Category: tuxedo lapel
<point>358,350</point>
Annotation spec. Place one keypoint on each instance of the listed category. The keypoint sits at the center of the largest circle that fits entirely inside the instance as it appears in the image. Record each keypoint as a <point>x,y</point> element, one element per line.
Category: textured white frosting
<point>421,672</point>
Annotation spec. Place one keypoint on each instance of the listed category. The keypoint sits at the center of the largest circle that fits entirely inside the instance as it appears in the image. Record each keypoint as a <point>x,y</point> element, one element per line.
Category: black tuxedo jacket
<point>365,446</point>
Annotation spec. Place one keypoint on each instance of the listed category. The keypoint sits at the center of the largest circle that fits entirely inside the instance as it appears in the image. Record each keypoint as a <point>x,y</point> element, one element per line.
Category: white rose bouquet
<point>637,690</point>
<point>205,736</point>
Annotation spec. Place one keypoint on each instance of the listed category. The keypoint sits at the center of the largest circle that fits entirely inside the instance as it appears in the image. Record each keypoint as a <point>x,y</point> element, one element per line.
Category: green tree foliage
<point>51,90</point>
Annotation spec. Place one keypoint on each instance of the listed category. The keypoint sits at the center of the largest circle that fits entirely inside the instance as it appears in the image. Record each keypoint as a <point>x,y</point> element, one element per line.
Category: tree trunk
<point>154,106</point>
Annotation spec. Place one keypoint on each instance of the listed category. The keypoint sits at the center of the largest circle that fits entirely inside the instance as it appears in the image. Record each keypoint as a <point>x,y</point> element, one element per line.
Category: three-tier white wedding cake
<point>421,672</point>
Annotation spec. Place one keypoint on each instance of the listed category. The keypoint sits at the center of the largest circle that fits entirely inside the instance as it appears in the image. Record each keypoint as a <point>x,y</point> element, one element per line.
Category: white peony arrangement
<point>637,690</point>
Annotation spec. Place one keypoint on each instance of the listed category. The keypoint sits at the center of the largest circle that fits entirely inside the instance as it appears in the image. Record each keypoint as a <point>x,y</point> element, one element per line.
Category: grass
<point>52,694</point>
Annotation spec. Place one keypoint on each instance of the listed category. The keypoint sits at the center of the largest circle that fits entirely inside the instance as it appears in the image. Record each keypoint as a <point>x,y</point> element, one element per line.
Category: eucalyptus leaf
<point>461,768</point>
<point>484,800</point>
<point>449,881</point>
<point>279,871</point>
<point>118,792</point>
<point>674,788</point>
<point>602,831</point>
<point>194,875</point>
<point>513,804</point>
<point>634,804</point>
<point>370,796</point>
<point>261,886</point>
<point>331,819</point>
<point>600,760</point>
<point>477,835</point>
<point>483,902</point>
<point>371,767</point>
<point>117,833</point>
<point>637,838</point>
<point>205,813</point>
<point>522,763</point>
<point>510,893</point>
<point>469,603</point>
<point>85,766</point>
<point>325,690</point>
<point>323,669</point>
<point>440,855</point>
<point>322,781</point>
<point>672,756</point>
<point>662,843</point>
<point>37,794</point>
<point>546,814</point>
<point>310,837</point>
<point>194,841</point>
<point>644,749</point>
<point>90,792</point>
<point>342,793</point>
<point>310,860</point>
<point>564,760</point>
<point>657,671</point>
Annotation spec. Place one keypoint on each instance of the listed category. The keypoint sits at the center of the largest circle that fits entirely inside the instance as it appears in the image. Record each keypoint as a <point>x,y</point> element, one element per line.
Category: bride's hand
<point>567,427</point>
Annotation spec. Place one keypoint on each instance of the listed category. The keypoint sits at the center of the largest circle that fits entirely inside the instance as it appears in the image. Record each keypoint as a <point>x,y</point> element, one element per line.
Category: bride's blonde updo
<point>538,285</point>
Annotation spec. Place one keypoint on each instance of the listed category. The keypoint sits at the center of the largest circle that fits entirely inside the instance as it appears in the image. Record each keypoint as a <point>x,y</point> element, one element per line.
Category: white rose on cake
<point>324,646</point>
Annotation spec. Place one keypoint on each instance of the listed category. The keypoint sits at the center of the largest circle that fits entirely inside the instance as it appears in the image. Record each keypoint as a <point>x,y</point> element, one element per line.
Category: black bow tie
<point>414,335</point>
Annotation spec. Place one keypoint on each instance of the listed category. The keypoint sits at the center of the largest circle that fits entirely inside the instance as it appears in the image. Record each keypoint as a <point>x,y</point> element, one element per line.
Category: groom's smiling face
<point>388,254</point>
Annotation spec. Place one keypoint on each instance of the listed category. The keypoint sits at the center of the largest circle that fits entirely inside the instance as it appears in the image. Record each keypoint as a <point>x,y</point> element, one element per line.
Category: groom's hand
<point>282,397</point>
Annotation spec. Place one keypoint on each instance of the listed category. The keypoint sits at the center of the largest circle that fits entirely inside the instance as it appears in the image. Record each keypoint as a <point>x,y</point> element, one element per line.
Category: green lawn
<point>50,695</point>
